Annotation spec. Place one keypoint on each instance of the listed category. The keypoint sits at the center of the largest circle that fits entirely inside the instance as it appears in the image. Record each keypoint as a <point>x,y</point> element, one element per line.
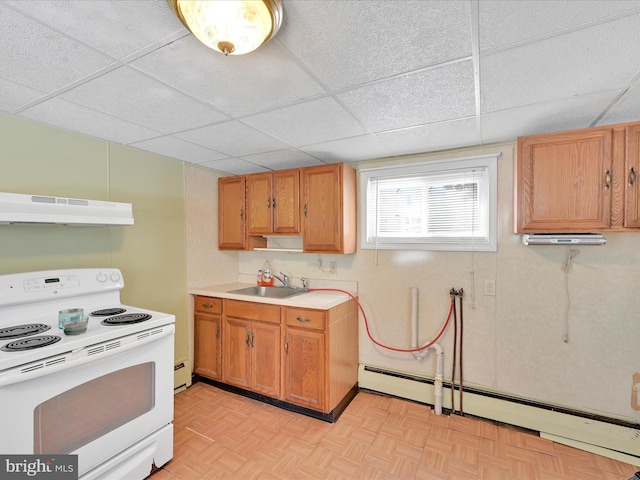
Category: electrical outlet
<point>490,288</point>
<point>333,268</point>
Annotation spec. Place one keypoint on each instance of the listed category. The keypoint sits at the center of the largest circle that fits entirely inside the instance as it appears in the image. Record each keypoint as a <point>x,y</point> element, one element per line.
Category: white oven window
<point>86,412</point>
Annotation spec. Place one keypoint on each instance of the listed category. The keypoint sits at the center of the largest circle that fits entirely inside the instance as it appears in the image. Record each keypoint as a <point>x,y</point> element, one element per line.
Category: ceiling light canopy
<point>232,27</point>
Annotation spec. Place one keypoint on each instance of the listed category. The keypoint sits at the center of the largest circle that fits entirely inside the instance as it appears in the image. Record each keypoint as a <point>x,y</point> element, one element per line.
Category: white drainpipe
<point>437,405</point>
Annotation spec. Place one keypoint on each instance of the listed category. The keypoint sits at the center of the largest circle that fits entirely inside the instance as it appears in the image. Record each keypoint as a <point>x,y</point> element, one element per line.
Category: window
<point>439,205</point>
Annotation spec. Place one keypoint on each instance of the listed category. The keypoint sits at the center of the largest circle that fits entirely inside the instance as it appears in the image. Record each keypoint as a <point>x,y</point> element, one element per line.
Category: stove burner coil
<point>30,343</point>
<point>18,331</point>
<point>107,312</point>
<point>126,319</point>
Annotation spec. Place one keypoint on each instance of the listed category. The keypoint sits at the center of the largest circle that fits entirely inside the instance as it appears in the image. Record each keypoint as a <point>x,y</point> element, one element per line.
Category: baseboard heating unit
<point>602,435</point>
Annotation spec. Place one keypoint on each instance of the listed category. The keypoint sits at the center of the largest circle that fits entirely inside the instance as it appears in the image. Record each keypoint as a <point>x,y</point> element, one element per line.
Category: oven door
<point>96,405</point>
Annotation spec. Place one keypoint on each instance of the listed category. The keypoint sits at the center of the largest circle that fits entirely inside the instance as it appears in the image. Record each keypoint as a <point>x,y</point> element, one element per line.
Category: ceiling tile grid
<point>342,81</point>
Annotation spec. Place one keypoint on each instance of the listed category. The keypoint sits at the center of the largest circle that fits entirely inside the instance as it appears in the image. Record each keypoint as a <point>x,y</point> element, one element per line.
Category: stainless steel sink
<point>270,292</point>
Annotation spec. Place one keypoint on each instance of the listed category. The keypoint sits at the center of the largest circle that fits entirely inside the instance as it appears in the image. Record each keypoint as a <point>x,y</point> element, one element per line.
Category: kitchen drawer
<point>252,311</point>
<point>304,318</point>
<point>207,304</point>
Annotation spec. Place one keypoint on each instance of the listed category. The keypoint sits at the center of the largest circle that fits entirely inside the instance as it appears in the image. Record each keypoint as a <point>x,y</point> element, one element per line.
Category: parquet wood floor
<point>219,435</point>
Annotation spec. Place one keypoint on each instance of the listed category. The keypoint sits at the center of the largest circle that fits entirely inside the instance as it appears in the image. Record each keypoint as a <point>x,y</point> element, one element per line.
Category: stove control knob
<point>115,277</point>
<point>101,277</point>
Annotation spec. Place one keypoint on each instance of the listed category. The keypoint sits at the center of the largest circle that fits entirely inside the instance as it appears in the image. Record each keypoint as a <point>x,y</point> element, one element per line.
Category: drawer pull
<point>207,305</point>
<point>303,320</point>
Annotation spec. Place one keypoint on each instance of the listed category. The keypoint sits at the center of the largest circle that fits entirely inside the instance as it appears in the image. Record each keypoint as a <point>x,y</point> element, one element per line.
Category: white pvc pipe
<point>437,404</point>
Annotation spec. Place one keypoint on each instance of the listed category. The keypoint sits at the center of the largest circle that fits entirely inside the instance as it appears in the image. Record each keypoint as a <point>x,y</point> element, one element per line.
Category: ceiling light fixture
<point>232,27</point>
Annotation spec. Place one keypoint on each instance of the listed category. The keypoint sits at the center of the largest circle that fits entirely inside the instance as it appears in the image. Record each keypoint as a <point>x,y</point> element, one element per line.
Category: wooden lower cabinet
<point>304,357</point>
<point>251,346</point>
<point>208,331</point>
<point>321,355</point>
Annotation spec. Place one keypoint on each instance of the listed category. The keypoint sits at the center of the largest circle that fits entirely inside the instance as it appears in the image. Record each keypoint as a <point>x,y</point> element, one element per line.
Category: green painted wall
<point>38,159</point>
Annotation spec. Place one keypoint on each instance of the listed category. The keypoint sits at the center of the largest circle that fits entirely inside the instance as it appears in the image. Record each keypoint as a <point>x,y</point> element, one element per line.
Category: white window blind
<point>445,205</point>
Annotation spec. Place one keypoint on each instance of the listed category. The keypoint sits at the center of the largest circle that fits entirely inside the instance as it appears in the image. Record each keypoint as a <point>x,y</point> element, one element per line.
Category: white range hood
<point>18,208</point>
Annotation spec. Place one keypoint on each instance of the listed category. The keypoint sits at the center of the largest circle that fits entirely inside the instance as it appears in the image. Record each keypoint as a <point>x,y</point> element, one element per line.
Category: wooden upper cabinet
<point>231,213</point>
<point>631,178</point>
<point>273,203</point>
<point>564,181</point>
<point>329,209</point>
<point>578,181</point>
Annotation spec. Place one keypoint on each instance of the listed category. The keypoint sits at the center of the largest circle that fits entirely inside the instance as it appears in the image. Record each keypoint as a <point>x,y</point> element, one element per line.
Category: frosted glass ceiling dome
<point>232,27</point>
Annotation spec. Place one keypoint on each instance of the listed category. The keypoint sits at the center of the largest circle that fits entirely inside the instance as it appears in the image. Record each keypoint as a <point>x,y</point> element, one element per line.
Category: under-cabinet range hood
<point>563,239</point>
<point>17,208</point>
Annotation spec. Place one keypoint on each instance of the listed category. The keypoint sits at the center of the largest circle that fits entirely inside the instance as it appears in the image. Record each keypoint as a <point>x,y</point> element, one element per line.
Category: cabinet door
<point>259,204</point>
<point>632,177</point>
<point>322,209</point>
<point>265,358</point>
<point>237,354</point>
<point>207,346</point>
<point>286,203</point>
<point>231,213</point>
<point>564,181</point>
<point>304,368</point>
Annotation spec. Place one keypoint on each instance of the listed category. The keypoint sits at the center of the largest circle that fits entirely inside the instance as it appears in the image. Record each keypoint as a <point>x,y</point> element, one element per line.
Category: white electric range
<point>105,395</point>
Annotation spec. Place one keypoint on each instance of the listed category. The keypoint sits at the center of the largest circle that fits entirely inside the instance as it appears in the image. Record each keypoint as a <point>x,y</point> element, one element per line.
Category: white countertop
<point>318,299</point>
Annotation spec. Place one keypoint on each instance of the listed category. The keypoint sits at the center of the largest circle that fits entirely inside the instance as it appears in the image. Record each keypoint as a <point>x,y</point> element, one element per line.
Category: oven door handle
<point>88,354</point>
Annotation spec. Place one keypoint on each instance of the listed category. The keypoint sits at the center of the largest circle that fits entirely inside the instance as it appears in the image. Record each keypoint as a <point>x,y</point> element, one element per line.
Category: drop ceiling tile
<point>428,96</point>
<point>71,116</point>
<point>507,22</point>
<point>353,149</point>
<point>431,138</point>
<point>565,114</point>
<point>310,122</point>
<point>627,109</point>
<point>128,94</point>
<point>598,58</point>
<point>233,139</point>
<point>41,58</point>
<point>237,85</point>
<point>180,149</point>
<point>282,159</point>
<point>234,166</point>
<point>117,28</point>
<point>349,43</point>
<point>14,96</point>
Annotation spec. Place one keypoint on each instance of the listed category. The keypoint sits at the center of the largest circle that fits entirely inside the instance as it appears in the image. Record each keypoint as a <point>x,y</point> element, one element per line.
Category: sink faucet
<point>284,280</point>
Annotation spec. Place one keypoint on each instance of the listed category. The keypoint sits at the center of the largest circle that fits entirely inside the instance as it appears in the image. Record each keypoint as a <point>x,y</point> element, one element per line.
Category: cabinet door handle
<point>303,320</point>
<point>305,210</point>
<point>632,176</point>
<point>218,331</point>
<point>242,214</point>
<point>247,339</point>
<point>607,179</point>
<point>286,347</point>
<point>269,202</point>
<point>273,202</point>
<point>252,345</point>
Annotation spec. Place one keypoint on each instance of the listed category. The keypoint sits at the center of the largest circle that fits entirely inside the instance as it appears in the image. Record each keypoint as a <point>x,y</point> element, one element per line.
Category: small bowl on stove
<point>73,321</point>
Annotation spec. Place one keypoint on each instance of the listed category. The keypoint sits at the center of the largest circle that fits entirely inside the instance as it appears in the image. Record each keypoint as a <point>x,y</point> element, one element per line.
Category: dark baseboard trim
<point>330,417</point>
